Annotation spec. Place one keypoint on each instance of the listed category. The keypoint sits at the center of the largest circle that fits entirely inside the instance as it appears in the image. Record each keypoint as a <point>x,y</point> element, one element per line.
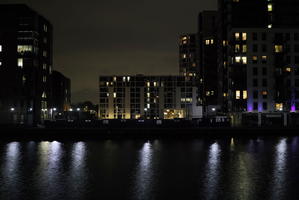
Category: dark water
<point>234,169</point>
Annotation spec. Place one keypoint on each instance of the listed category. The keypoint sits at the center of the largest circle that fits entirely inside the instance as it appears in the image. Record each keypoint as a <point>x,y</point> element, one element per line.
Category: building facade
<point>258,56</point>
<point>147,97</point>
<point>61,87</point>
<point>26,60</point>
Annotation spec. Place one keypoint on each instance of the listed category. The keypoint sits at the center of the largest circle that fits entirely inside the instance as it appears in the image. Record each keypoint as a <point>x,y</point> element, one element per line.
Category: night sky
<point>105,37</point>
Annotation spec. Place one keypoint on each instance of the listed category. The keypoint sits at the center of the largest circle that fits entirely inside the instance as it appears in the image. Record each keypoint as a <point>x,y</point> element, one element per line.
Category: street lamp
<point>12,109</point>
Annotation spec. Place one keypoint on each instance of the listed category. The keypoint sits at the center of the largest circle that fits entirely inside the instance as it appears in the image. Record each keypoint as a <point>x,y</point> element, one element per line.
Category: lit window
<point>45,28</point>
<point>24,48</point>
<point>279,107</point>
<point>148,105</point>
<point>244,36</point>
<point>0,48</point>
<point>155,84</point>
<point>50,69</point>
<point>20,62</point>
<point>128,78</point>
<point>184,56</point>
<point>238,59</point>
<point>124,79</point>
<point>225,94</point>
<point>288,69</point>
<point>270,26</point>
<point>278,48</point>
<point>244,60</point>
<point>244,48</point>
<point>148,95</point>
<point>114,94</point>
<point>44,95</point>
<point>184,40</point>
<point>193,64</point>
<point>264,93</point>
<point>237,36</point>
<point>0,63</point>
<point>238,94</point>
<point>114,78</point>
<point>254,58</point>
<point>270,8</point>
<point>207,42</point>
<point>237,48</point>
<point>24,79</point>
<point>245,94</point>
<point>264,58</point>
<point>212,41</point>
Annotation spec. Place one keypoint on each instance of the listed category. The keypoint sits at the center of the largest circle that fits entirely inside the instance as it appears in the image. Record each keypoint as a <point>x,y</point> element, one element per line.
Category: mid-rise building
<point>61,87</point>
<point>259,55</point>
<point>148,97</point>
<point>26,60</point>
<point>188,63</point>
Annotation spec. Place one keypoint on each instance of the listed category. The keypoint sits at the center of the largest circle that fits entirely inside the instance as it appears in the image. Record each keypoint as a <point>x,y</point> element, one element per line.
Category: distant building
<point>25,65</point>
<point>61,92</point>
<point>147,97</point>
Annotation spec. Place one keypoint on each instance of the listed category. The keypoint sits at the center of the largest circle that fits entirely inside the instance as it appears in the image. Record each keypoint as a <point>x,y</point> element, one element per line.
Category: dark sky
<point>104,37</point>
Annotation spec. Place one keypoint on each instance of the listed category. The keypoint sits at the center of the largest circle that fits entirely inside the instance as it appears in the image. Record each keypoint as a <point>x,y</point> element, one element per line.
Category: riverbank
<point>141,133</point>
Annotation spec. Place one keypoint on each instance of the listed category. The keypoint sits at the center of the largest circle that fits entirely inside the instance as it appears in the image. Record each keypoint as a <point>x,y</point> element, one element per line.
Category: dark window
<point>264,71</point>
<point>288,83</point>
<point>297,71</point>
<point>288,59</point>
<point>264,48</point>
<point>265,82</point>
<point>254,48</point>
<point>296,36</point>
<point>265,106</point>
<point>296,48</point>
<point>254,36</point>
<point>264,36</point>
<point>254,70</point>
<point>296,59</point>
<point>278,36</point>
<point>297,83</point>
<point>255,82</point>
<point>255,106</point>
<point>288,36</point>
<point>255,94</point>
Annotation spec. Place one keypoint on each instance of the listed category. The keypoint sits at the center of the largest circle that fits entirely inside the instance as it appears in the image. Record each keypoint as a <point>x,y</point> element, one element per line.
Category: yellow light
<point>270,8</point>
<point>245,94</point>
<point>238,94</point>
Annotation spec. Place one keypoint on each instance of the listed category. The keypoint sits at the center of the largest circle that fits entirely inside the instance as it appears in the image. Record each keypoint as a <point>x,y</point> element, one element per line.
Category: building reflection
<point>213,171</point>
<point>11,171</point>
<point>279,174</point>
<point>144,173</point>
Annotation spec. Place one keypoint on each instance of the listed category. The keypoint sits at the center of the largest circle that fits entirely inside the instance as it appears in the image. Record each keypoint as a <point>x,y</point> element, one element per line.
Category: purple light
<point>293,108</point>
<point>249,107</point>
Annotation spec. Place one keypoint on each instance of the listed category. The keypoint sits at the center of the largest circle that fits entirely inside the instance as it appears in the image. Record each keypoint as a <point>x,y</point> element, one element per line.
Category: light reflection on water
<point>144,173</point>
<point>279,174</point>
<point>212,171</point>
<point>230,170</point>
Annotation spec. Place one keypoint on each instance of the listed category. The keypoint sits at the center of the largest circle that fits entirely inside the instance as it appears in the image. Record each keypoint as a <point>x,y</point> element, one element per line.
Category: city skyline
<point>116,40</point>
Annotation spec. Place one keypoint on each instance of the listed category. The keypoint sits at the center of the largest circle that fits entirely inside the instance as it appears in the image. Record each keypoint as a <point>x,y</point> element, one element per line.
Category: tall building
<point>147,97</point>
<point>188,65</point>
<point>207,61</point>
<point>25,65</point>
<point>258,55</point>
<point>61,87</point>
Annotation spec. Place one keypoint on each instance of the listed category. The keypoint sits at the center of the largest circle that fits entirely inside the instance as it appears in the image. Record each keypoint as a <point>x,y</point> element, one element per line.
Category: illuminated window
<point>238,59</point>
<point>20,62</point>
<point>193,64</point>
<point>155,84</point>
<point>225,43</point>
<point>264,59</point>
<point>279,107</point>
<point>50,69</point>
<point>184,56</point>
<point>114,94</point>
<point>212,41</point>
<point>148,95</point>
<point>0,48</point>
<point>124,79</point>
<point>128,78</point>
<point>278,48</point>
<point>288,69</point>
<point>244,48</point>
<point>238,94</point>
<point>44,95</point>
<point>207,42</point>
<point>245,94</point>
<point>45,28</point>
<point>237,48</point>
<point>270,26</point>
<point>0,63</point>
<point>254,59</point>
<point>225,94</point>
<point>244,60</point>
<point>244,36</point>
<point>237,36</point>
<point>148,84</point>
<point>184,40</point>
<point>114,78</point>
<point>24,79</point>
<point>270,8</point>
<point>24,48</point>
